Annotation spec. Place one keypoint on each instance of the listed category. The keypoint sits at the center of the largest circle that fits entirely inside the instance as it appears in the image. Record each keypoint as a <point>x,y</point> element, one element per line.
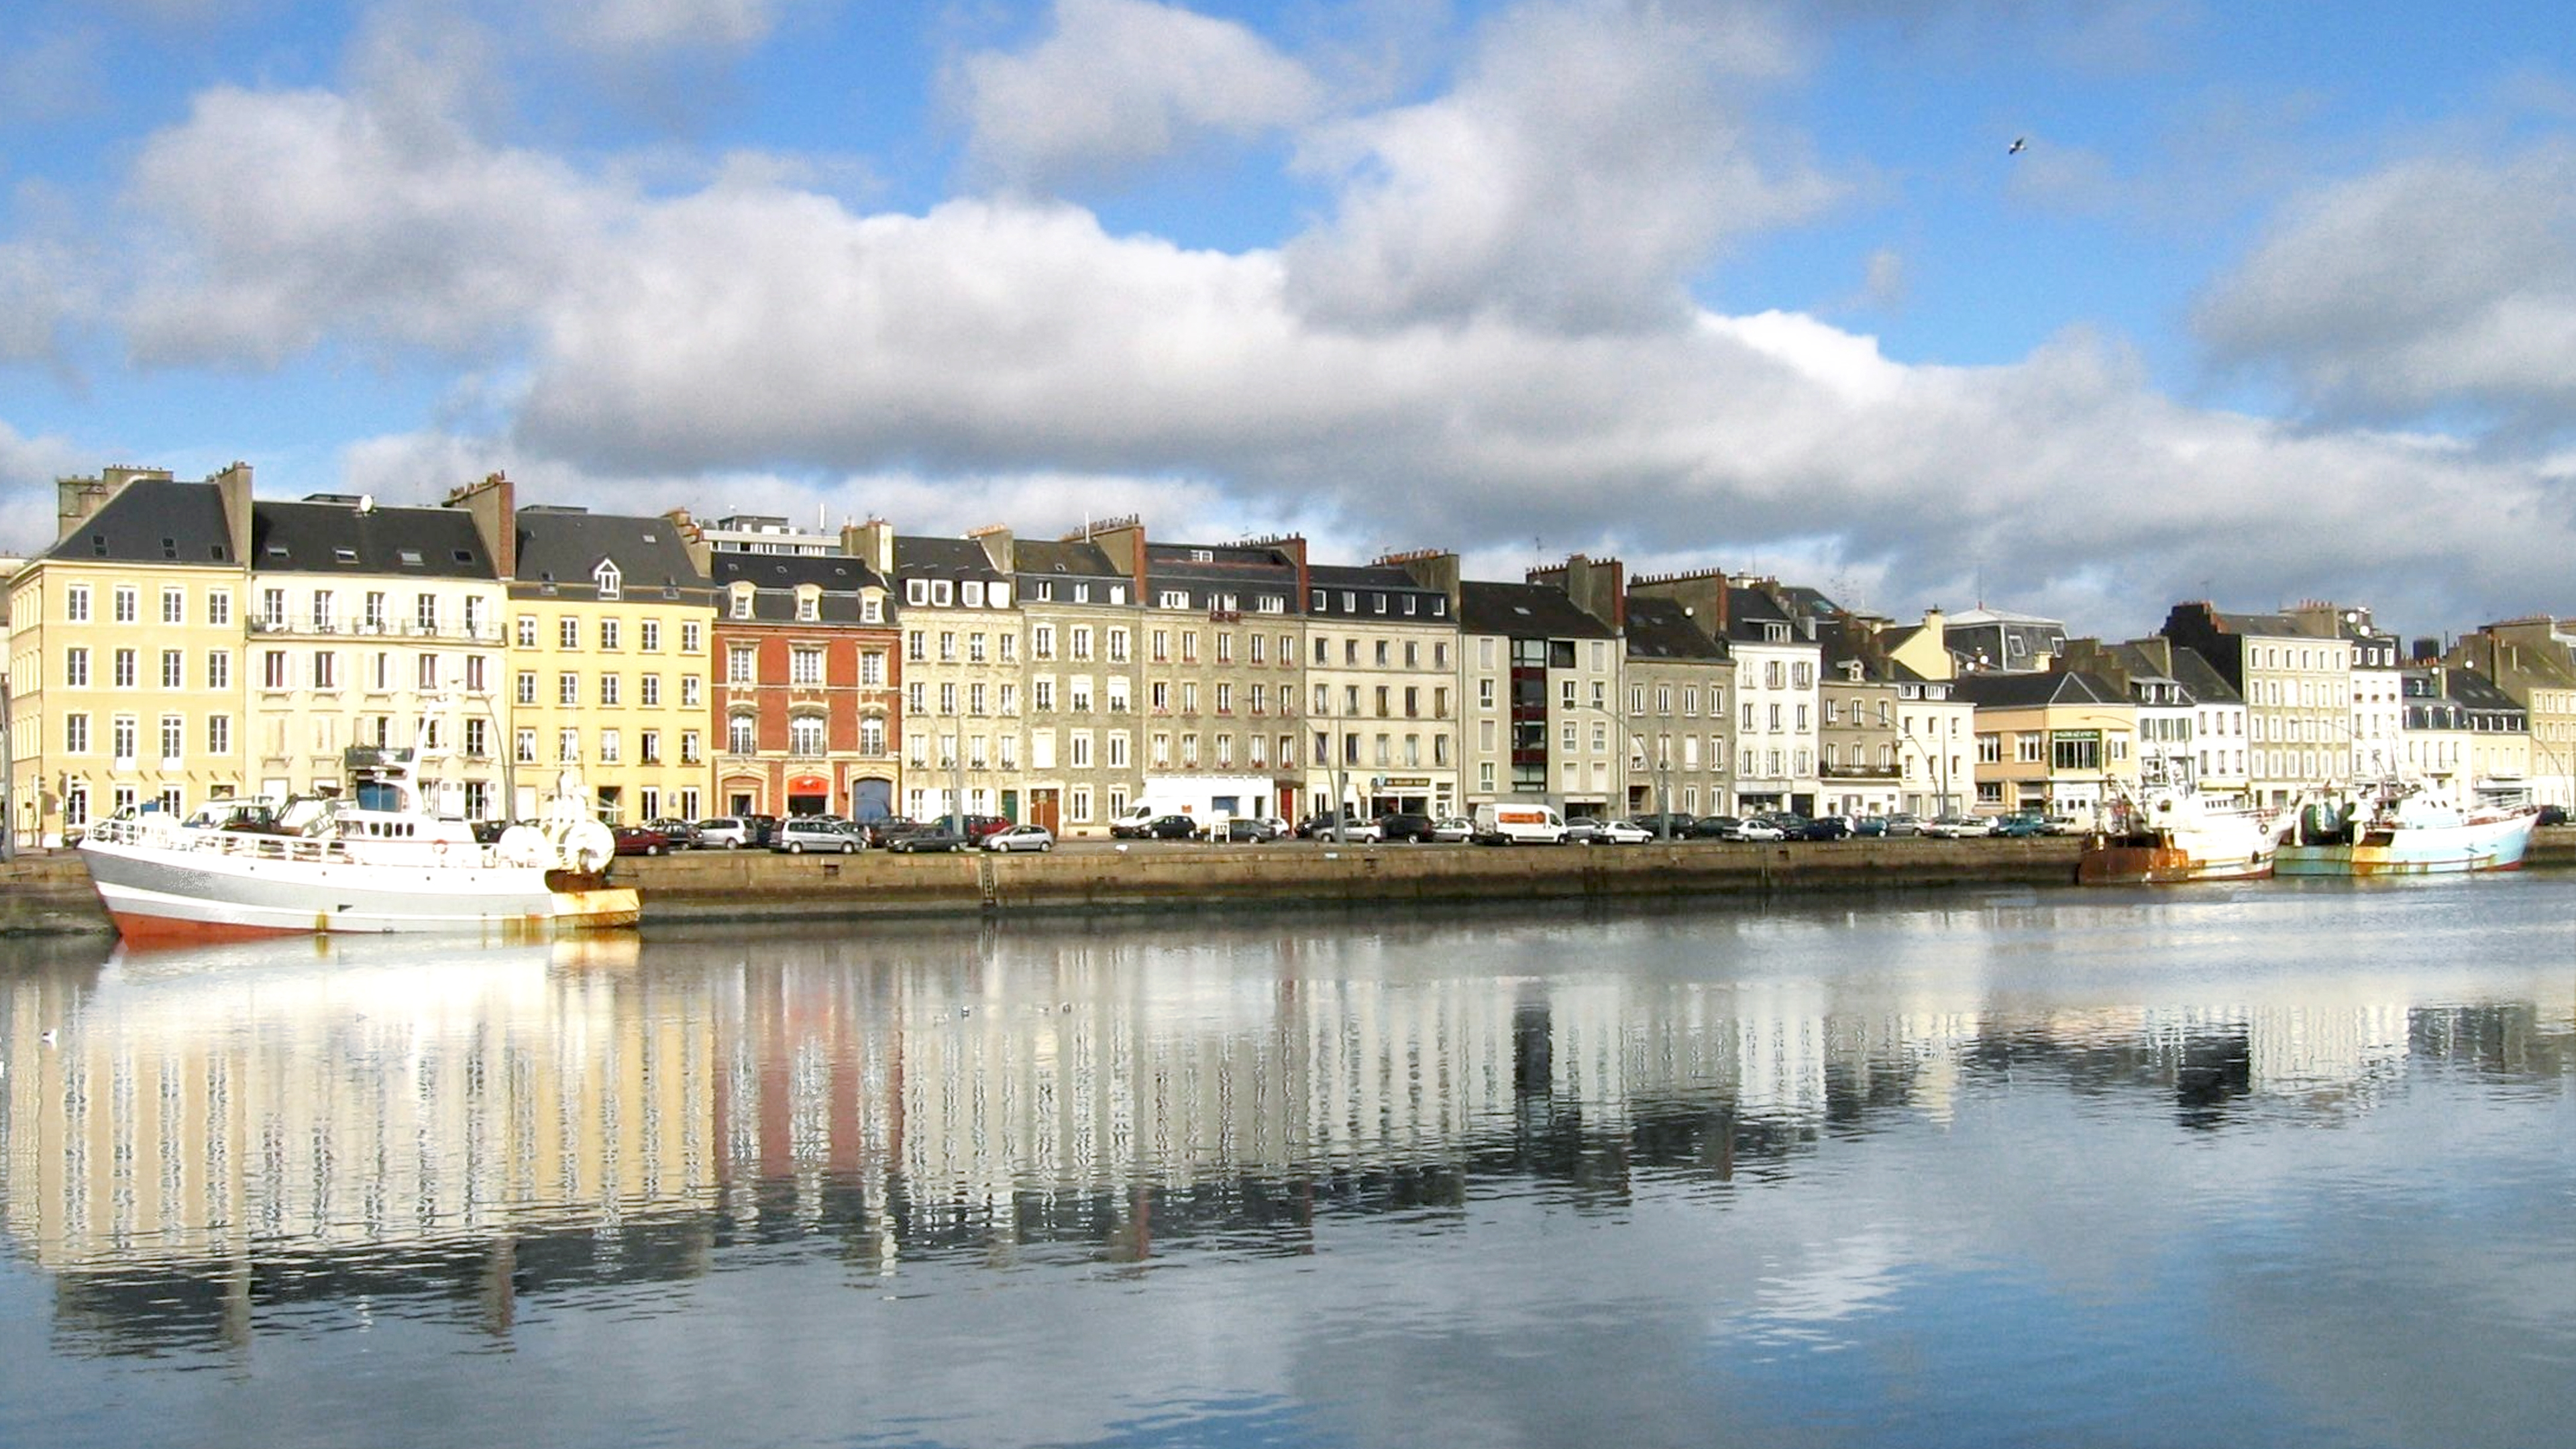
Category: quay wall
<point>48,892</point>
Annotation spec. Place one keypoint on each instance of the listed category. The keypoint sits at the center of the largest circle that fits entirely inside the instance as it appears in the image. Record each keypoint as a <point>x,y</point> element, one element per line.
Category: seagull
<point>2015,148</point>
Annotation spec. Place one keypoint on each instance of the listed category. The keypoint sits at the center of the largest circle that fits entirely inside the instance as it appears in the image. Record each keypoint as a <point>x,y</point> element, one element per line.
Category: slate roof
<point>564,548</point>
<point>2022,690</point>
<point>336,537</point>
<point>1659,628</point>
<point>152,520</point>
<point>1368,585</point>
<point>1246,571</point>
<point>960,559</point>
<point>1525,611</point>
<point>775,578</point>
<point>1063,558</point>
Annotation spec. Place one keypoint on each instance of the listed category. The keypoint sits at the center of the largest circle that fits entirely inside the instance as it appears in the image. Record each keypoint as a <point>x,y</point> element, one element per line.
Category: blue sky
<point>2279,301</point>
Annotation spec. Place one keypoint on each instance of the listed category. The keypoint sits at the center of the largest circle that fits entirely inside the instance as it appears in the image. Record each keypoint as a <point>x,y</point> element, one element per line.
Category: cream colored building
<point>608,655</point>
<point>125,651</point>
<point>375,626</point>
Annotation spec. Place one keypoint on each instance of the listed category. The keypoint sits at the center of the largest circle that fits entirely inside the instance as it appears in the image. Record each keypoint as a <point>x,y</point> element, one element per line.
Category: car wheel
<point>796,848</point>
<point>1046,846</point>
<point>847,847</point>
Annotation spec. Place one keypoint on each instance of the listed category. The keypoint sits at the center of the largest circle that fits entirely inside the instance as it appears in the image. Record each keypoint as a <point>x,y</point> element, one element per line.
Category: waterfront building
<point>1381,675</point>
<point>609,639</point>
<point>1538,676</point>
<point>1084,687</point>
<point>375,626</point>
<point>2463,733</point>
<point>1224,640</point>
<point>2166,712</point>
<point>125,651</point>
<point>1680,682</point>
<point>960,671</point>
<point>1936,742</point>
<point>806,712</point>
<point>2529,660</point>
<point>1777,670</point>
<point>2376,725</point>
<point>1858,733</point>
<point>2062,743</point>
<point>2297,688</point>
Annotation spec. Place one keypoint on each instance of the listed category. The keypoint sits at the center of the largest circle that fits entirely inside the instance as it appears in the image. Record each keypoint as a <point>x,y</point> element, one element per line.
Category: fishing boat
<point>2409,827</point>
<point>372,858</point>
<point>2168,836</point>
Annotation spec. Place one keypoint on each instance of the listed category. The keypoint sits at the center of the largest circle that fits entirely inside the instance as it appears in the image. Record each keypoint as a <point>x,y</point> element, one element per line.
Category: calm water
<point>2282,1164</point>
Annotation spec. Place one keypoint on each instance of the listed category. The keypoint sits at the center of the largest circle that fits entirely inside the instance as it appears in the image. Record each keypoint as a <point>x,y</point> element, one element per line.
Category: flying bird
<point>2015,148</point>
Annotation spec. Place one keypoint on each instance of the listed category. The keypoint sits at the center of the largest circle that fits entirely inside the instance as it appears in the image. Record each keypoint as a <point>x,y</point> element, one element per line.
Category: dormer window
<point>606,577</point>
<point>971,593</point>
<point>809,604</point>
<point>871,608</point>
<point>742,601</point>
<point>940,593</point>
<point>916,591</point>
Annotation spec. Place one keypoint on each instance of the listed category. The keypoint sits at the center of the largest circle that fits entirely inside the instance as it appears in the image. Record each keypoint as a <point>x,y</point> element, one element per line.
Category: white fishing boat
<point>2410,827</point>
<point>2169,836</point>
<point>372,859</point>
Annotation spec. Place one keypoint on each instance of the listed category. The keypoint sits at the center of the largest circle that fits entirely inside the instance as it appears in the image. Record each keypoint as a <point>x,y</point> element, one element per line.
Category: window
<point>740,737</point>
<point>219,669</point>
<point>689,691</point>
<point>525,747</point>
<point>127,603</point>
<point>608,690</point>
<point>608,633</point>
<point>219,607</point>
<point>174,738</point>
<point>76,668</point>
<point>568,632</point>
<point>428,673</point>
<point>568,688</point>
<point>120,733</point>
<point>326,670</point>
<point>76,733</point>
<point>739,664</point>
<point>174,606</point>
<point>219,734</point>
<point>805,665</point>
<point>805,735</point>
<point>688,747</point>
<point>608,747</point>
<point>652,687</point>
<point>692,636</point>
<point>76,604</point>
<point>527,630</point>
<point>568,746</point>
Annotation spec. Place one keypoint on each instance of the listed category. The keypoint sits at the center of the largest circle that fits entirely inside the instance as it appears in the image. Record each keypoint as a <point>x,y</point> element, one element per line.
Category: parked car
<point>2021,825</point>
<point>1020,837</point>
<point>641,840</point>
<point>1250,830</point>
<point>941,837</point>
<point>1714,827</point>
<point>1399,826</point>
<point>1656,825</point>
<point>1825,827</point>
<point>881,832</point>
<point>1173,827</point>
<point>1758,827</point>
<point>1319,826</point>
<point>817,832</point>
<point>1956,827</point>
<point>1453,828</point>
<point>1903,823</point>
<point>683,833</point>
<point>1620,832</point>
<point>1367,831</point>
<point>2552,815</point>
<point>979,826</point>
<point>727,832</point>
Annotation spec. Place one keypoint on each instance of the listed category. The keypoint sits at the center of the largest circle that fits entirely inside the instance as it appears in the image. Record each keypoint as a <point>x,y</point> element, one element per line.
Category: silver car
<point>1021,837</point>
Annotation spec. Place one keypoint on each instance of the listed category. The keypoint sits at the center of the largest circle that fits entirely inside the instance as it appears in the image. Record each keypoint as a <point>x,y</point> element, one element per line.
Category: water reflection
<point>202,1148</point>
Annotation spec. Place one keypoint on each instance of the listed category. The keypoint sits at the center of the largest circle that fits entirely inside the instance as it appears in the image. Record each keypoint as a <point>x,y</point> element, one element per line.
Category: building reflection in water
<point>209,1140</point>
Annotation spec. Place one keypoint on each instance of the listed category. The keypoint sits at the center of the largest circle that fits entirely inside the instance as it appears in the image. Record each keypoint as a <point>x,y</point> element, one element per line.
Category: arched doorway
<point>871,798</point>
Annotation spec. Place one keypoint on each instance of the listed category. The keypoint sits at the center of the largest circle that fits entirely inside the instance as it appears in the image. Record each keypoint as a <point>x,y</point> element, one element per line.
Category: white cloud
<point>1594,156</point>
<point>273,219</point>
<point>625,28</point>
<point>2424,285</point>
<point>1119,84</point>
<point>28,468</point>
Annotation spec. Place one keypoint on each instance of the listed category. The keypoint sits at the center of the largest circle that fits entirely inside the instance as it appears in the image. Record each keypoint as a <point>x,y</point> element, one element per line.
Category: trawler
<point>2405,827</point>
<point>372,858</point>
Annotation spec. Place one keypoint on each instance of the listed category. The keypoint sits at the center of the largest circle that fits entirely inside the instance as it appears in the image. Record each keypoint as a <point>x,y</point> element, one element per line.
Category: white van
<point>1509,823</point>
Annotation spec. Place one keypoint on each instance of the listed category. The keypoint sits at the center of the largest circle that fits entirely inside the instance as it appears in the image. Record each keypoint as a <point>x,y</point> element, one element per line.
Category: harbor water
<point>2280,1163</point>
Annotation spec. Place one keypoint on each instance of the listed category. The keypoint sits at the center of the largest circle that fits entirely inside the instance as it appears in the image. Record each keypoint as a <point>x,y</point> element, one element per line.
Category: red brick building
<point>806,704</point>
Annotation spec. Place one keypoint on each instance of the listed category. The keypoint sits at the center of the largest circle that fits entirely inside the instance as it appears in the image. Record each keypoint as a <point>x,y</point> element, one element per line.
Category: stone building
<point>1084,689</point>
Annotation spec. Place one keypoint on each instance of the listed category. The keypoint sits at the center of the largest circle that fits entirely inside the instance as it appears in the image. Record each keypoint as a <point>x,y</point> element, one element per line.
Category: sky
<point>2276,301</point>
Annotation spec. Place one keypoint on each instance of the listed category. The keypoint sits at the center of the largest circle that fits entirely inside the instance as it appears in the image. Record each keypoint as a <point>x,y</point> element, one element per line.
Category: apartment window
<point>174,739</point>
<point>568,746</point>
<point>568,632</point>
<point>805,665</point>
<point>947,646</point>
<point>689,748</point>
<point>428,673</point>
<point>872,736</point>
<point>1042,641</point>
<point>326,670</point>
<point>975,646</point>
<point>948,698</point>
<point>76,668</point>
<point>128,604</point>
<point>425,612</point>
<point>568,688</point>
<point>1117,646</point>
<point>524,748</point>
<point>219,607</point>
<point>608,747</point>
<point>975,698</point>
<point>740,735</point>
<point>608,633</point>
<point>689,692</point>
<point>805,736</point>
<point>692,636</point>
<point>526,692</point>
<point>739,664</point>
<point>476,667</point>
<point>219,669</point>
<point>174,606</point>
<point>76,604</point>
<point>219,734</point>
<point>652,690</point>
<point>120,734</point>
<point>609,690</point>
<point>76,733</point>
<point>526,625</point>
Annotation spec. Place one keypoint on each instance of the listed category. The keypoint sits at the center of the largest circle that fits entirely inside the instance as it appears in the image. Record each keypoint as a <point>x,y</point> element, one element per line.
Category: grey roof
<point>2021,690</point>
<point>1377,592</point>
<point>1749,612</point>
<point>2204,684</point>
<point>153,520</point>
<point>1661,628</point>
<point>1066,558</point>
<point>337,538</point>
<point>2473,690</point>
<point>775,578</point>
<point>919,557</point>
<point>563,548</point>
<point>1246,571</point>
<point>1525,611</point>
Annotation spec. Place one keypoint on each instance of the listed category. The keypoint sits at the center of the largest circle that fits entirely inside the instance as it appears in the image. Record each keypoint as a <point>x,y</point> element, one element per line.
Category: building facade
<point>806,708</point>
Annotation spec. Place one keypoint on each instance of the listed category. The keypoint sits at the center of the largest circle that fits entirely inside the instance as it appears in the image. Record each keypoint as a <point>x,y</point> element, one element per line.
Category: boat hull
<point>159,895</point>
<point>2116,862</point>
<point>2436,850</point>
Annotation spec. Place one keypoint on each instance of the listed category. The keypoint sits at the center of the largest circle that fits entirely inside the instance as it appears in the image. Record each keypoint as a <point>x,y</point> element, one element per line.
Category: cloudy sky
<point>2277,301</point>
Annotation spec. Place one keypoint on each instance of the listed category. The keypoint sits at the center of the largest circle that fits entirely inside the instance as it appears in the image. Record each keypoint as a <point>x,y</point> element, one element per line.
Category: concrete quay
<point>48,893</point>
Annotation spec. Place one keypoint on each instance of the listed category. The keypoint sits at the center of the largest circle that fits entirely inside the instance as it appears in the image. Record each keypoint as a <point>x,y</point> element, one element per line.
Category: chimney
<point>1124,542</point>
<point>1435,570</point>
<point>493,504</point>
<point>233,487</point>
<point>702,554</point>
<point>76,500</point>
<point>872,543</point>
<point>999,549</point>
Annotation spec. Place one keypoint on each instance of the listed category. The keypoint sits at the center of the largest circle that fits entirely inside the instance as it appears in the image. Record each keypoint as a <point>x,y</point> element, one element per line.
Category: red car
<point>643,840</point>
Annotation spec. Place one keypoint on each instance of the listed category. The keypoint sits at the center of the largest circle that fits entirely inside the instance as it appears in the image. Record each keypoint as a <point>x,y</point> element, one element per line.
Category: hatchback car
<point>1250,830</point>
<point>1826,827</point>
<point>1399,826</point>
<point>1173,827</point>
<point>683,833</point>
<point>1759,828</point>
<point>642,840</point>
<point>1453,829</point>
<point>1020,837</point>
<point>818,833</point>
<point>928,839</point>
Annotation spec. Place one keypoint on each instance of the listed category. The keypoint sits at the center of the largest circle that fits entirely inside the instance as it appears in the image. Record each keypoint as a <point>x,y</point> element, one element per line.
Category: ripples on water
<point>2284,1164</point>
